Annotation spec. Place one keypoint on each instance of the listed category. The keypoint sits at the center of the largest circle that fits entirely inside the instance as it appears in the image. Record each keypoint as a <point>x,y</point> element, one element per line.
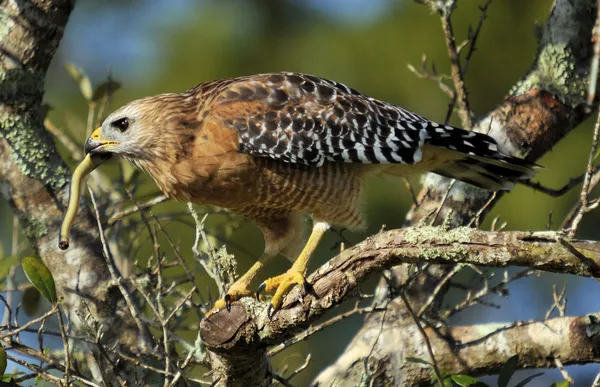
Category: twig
<point>44,374</point>
<point>433,76</point>
<point>90,118</point>
<point>189,356</point>
<point>585,189</point>
<point>477,216</point>
<point>107,97</point>
<point>134,209</point>
<point>412,192</point>
<point>577,207</point>
<point>438,374</point>
<point>63,335</point>
<point>29,323</point>
<point>591,96</point>
<point>314,329</point>
<point>181,303</point>
<point>10,278</point>
<point>439,288</point>
<point>475,298</point>
<point>596,382</point>
<point>118,279</point>
<point>8,309</point>
<point>179,257</point>
<point>563,371</point>
<point>149,367</point>
<point>159,316</point>
<point>462,96</point>
<point>301,368</point>
<point>557,192</point>
<point>210,265</point>
<point>439,209</point>
<point>41,356</point>
<point>74,149</point>
<point>473,36</point>
<point>381,323</point>
<point>281,380</point>
<point>40,335</point>
<point>560,302</point>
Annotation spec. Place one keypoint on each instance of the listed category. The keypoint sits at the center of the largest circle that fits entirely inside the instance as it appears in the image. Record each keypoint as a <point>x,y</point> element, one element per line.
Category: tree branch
<point>545,105</point>
<point>243,334</point>
<point>34,179</point>
<point>477,349</point>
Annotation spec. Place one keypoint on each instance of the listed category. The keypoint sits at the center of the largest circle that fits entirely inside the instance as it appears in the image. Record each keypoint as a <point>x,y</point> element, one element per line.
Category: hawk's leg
<point>282,284</point>
<point>241,287</point>
<point>282,230</point>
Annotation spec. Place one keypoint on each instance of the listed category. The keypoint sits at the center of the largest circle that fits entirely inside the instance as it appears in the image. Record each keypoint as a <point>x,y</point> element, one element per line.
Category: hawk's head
<point>131,131</point>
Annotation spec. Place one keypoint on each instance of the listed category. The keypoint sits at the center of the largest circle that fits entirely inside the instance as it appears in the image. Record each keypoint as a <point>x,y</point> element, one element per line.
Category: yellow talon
<point>282,284</point>
<point>235,292</point>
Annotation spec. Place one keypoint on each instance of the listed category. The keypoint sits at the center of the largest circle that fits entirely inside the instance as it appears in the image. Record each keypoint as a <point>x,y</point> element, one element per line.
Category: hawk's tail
<point>492,174</point>
<point>480,162</point>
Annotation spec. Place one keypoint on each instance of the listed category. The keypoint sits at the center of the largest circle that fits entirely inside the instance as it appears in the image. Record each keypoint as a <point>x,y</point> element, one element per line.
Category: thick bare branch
<point>477,349</point>
<point>244,333</point>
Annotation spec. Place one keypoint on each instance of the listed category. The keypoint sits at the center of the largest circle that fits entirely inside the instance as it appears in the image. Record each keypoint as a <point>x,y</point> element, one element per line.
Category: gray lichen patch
<point>427,234</point>
<point>32,150</point>
<point>556,72</point>
<point>226,264</point>
<point>32,227</point>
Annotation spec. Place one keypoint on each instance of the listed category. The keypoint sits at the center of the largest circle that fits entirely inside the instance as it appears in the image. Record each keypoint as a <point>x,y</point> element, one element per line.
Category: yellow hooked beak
<point>95,144</point>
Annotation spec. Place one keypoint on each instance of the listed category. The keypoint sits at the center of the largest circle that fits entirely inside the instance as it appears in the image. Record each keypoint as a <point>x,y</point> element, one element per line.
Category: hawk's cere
<point>273,146</point>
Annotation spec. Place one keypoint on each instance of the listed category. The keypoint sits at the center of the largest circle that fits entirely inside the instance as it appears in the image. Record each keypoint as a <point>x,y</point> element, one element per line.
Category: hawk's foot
<point>281,285</point>
<point>235,292</point>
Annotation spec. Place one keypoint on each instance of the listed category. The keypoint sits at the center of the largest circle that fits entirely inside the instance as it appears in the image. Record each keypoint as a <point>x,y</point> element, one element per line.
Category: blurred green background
<point>155,46</point>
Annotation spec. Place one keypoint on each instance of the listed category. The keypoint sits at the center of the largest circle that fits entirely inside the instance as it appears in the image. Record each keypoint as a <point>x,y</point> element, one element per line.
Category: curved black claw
<point>261,288</point>
<point>306,287</point>
<point>227,299</point>
<point>270,311</point>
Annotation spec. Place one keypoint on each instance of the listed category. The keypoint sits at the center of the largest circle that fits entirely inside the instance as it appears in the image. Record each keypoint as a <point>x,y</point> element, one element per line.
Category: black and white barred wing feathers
<point>302,119</point>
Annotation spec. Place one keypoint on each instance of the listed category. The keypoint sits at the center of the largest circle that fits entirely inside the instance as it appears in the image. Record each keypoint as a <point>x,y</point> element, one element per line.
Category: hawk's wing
<point>303,119</point>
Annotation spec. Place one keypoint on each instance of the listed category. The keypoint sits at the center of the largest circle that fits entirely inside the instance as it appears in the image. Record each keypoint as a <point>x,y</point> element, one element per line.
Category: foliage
<point>38,274</point>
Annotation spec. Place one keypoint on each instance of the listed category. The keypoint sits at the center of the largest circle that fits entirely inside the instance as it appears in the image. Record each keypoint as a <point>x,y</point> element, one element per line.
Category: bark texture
<point>238,339</point>
<point>33,177</point>
<point>545,105</point>
<point>481,349</point>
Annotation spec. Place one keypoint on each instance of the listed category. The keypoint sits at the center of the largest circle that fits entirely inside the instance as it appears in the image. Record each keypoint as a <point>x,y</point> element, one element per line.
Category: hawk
<point>272,147</point>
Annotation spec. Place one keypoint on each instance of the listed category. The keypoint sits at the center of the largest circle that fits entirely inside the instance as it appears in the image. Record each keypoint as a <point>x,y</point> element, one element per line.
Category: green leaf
<point>107,87</point>
<point>30,301</point>
<point>528,379</point>
<point>82,80</point>
<point>447,381</point>
<point>417,360</point>
<point>467,381</point>
<point>508,370</point>
<point>564,383</point>
<point>38,274</point>
<point>2,361</point>
<point>9,377</point>
<point>6,264</point>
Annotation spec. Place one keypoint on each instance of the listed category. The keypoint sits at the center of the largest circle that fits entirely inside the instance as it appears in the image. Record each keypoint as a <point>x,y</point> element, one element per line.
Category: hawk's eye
<point>122,124</point>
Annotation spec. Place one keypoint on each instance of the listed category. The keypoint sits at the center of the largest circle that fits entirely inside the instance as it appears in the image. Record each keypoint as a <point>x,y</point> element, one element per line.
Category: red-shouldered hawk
<point>273,146</point>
